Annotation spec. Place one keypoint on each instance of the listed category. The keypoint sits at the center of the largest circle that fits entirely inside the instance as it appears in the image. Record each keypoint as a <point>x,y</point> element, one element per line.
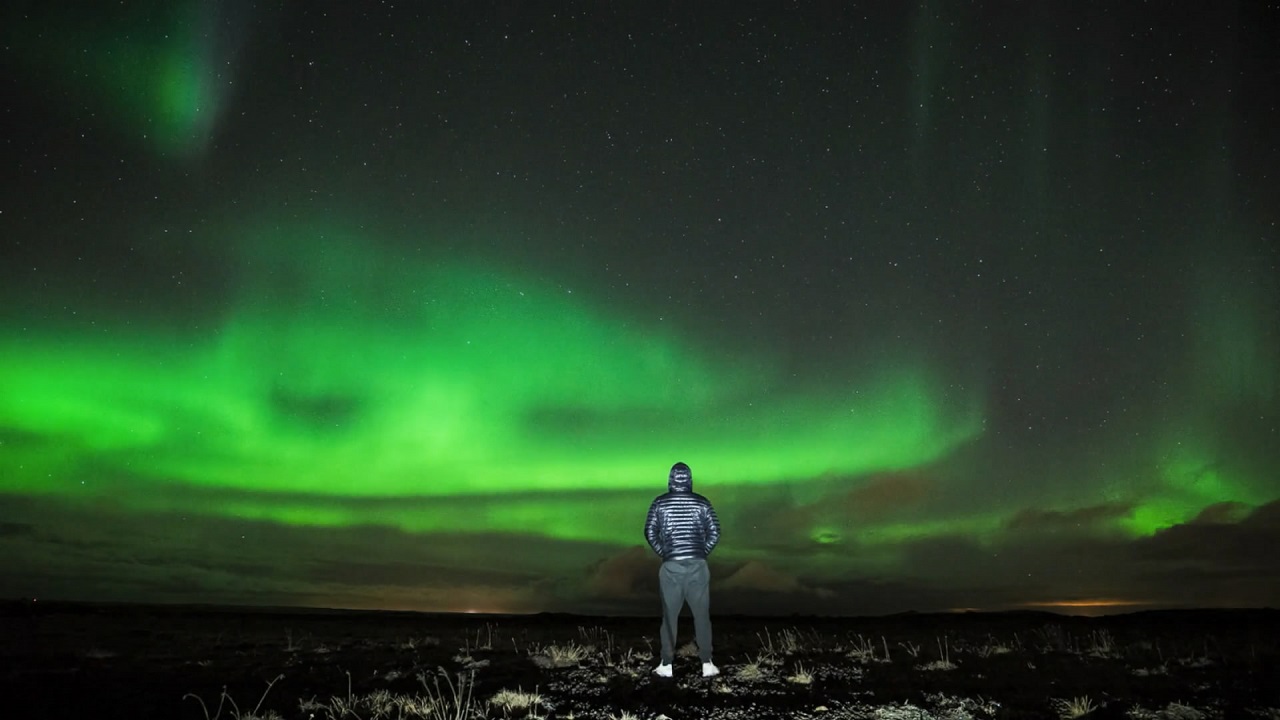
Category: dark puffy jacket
<point>681,525</point>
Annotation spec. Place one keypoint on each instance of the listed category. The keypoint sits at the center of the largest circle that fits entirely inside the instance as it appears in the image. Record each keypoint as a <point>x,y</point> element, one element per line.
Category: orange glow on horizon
<point>1082,606</point>
<point>1091,603</point>
<point>1090,607</point>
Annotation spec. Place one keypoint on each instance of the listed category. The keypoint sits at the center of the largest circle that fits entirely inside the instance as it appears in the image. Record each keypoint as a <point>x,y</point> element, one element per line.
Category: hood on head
<point>680,479</point>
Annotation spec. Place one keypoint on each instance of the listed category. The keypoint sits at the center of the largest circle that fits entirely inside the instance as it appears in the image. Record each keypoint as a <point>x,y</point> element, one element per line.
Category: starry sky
<point>413,305</point>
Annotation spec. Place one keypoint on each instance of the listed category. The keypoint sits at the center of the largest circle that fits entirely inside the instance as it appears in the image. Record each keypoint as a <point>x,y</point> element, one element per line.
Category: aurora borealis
<point>357,305</point>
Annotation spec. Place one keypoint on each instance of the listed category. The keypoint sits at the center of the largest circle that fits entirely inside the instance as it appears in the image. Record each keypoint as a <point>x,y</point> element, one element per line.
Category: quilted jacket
<point>682,524</point>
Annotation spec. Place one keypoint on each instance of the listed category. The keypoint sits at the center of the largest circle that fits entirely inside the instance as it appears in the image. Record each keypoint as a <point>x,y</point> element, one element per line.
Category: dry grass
<point>1101,645</point>
<point>751,672</point>
<point>452,701</point>
<point>800,676</point>
<point>1075,707</point>
<point>993,647</point>
<point>561,656</point>
<point>596,636</point>
<point>509,700</point>
<point>944,658</point>
<point>224,699</point>
<point>412,643</point>
<point>789,642</point>
<point>785,658</point>
<point>866,651</point>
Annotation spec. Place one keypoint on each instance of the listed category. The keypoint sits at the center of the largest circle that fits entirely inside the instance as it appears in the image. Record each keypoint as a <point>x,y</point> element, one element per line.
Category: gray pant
<point>685,581</point>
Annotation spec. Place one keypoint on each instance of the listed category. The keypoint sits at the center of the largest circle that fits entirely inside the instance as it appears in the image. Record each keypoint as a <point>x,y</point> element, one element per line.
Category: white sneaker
<point>663,670</point>
<point>709,669</point>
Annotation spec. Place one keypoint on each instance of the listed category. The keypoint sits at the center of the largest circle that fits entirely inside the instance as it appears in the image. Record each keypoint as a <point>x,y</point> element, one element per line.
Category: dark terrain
<point>89,661</point>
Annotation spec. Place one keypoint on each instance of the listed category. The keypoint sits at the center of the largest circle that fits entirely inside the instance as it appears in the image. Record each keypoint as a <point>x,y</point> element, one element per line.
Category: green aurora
<point>428,381</point>
<point>478,382</point>
<point>966,358</point>
<point>150,66</point>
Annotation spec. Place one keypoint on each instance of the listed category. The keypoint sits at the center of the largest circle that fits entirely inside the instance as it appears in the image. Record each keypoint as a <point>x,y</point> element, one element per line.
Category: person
<point>682,529</point>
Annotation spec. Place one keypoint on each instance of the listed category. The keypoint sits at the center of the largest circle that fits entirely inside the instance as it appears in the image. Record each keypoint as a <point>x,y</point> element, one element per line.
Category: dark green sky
<point>350,305</point>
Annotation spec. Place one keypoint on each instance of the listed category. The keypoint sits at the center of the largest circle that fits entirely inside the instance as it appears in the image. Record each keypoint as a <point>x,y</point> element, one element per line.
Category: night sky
<point>947,304</point>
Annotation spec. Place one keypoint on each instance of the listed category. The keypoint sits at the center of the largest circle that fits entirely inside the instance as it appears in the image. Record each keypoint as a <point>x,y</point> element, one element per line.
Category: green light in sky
<point>340,371</point>
<point>348,385</point>
<point>976,527</point>
<point>1190,477</point>
<point>148,63</point>
<point>1236,342</point>
<point>1203,458</point>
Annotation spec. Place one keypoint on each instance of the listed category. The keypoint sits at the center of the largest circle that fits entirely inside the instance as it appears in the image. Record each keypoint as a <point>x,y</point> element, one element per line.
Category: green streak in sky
<point>341,373</point>
<point>927,57</point>
<point>1211,446</point>
<point>976,528</point>
<point>1205,456</point>
<point>347,385</point>
<point>1236,340</point>
<point>1193,477</point>
<point>144,62</point>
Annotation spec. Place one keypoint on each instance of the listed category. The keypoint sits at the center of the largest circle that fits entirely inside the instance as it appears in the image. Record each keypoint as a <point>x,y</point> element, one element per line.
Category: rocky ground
<point>140,662</point>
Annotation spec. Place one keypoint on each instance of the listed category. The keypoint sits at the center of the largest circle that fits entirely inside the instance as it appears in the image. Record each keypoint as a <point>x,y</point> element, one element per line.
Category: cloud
<point>1211,560</point>
<point>788,516</point>
<point>97,552</point>
<point>626,575</point>
<point>15,437</point>
<point>1213,541</point>
<point>16,529</point>
<point>1224,512</point>
<point>1083,518</point>
<point>761,576</point>
<point>756,575</point>
<point>886,494</point>
<point>320,411</point>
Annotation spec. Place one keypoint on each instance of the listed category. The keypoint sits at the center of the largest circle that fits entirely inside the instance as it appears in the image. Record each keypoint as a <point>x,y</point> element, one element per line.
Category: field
<point>87,661</point>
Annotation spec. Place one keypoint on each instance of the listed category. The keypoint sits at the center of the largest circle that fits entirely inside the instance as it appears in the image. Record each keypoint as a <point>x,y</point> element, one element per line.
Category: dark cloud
<point>13,438</point>
<point>628,575</point>
<point>320,411</point>
<point>15,529</point>
<point>1182,565</point>
<point>1216,558</point>
<point>783,518</point>
<point>885,495</point>
<point>761,576</point>
<point>1081,519</point>
<point>1212,541</point>
<point>1226,512</point>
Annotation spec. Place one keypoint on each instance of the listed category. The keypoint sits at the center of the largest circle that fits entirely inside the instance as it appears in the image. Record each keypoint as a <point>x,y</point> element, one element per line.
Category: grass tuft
<point>561,656</point>
<point>235,709</point>
<point>801,676</point>
<point>517,699</point>
<point>1075,707</point>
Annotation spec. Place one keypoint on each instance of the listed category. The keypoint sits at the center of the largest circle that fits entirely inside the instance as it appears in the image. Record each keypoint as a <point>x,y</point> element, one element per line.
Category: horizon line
<point>1131,607</point>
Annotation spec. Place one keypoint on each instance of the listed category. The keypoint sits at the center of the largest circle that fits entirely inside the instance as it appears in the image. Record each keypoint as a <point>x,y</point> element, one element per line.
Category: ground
<point>204,663</point>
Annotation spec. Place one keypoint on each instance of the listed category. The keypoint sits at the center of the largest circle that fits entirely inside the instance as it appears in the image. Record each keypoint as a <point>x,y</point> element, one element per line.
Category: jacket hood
<point>680,479</point>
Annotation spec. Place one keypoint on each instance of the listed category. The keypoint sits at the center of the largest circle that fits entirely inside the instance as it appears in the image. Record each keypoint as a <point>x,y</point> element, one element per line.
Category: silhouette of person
<point>682,528</point>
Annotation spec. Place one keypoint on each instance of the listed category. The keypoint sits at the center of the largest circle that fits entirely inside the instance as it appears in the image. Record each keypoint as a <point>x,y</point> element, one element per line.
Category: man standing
<point>683,529</point>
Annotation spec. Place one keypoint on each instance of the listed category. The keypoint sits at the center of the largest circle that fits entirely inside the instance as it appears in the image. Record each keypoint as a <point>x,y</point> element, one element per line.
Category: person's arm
<point>653,528</point>
<point>711,528</point>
